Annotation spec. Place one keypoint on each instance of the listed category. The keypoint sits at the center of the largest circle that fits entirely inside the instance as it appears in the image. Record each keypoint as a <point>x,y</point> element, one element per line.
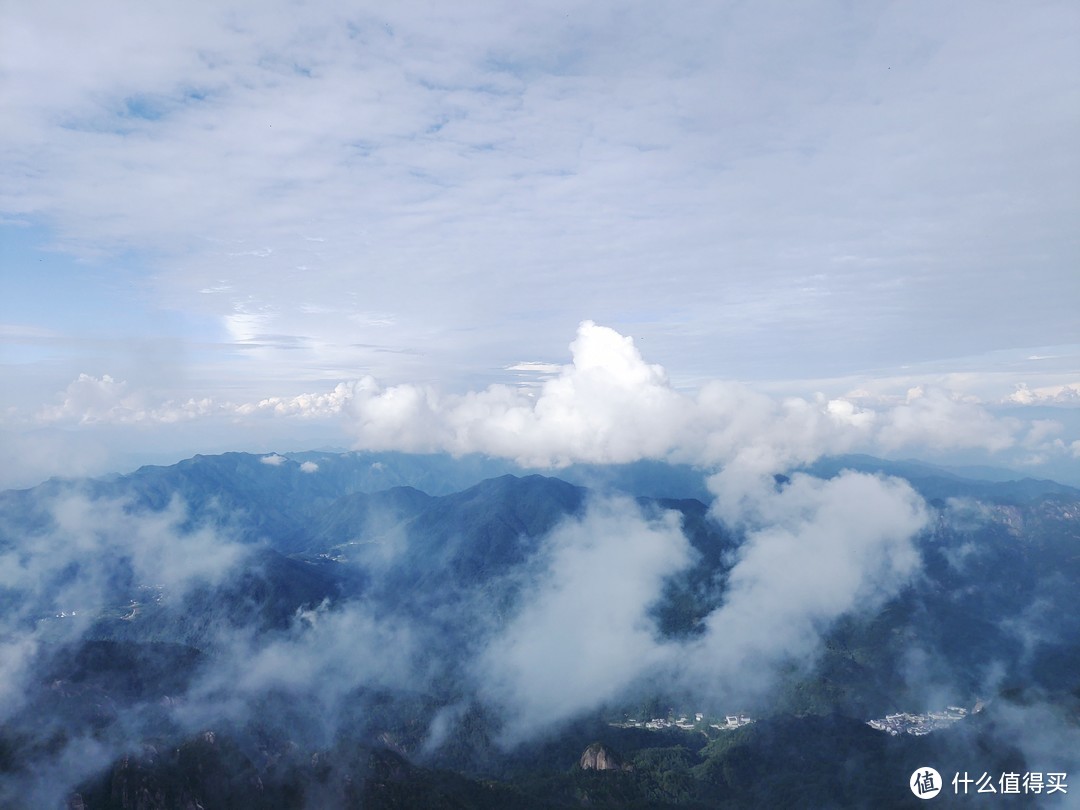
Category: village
<point>894,724</point>
<point>920,724</point>
<point>685,723</point>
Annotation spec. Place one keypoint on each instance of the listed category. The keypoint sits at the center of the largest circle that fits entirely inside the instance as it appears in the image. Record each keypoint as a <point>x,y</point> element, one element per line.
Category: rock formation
<point>598,757</point>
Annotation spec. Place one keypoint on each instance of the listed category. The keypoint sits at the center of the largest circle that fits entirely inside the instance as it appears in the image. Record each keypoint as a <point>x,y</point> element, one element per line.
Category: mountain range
<point>381,629</point>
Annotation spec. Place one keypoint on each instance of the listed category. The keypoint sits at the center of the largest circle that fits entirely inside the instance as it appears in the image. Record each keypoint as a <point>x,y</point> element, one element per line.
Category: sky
<point>284,225</point>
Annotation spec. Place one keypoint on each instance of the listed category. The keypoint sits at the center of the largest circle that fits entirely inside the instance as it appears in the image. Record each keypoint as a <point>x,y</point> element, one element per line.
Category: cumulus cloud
<point>90,400</point>
<point>301,405</point>
<point>1066,393</point>
<point>609,406</point>
<point>95,401</point>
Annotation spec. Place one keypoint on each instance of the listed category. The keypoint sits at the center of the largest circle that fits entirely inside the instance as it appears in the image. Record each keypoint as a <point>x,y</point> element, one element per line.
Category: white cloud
<point>1067,393</point>
<point>585,618</point>
<point>273,460</point>
<point>610,406</point>
<point>301,405</point>
<point>935,419</point>
<point>309,467</point>
<point>535,367</point>
<point>160,551</point>
<point>815,550</point>
<point>92,400</point>
<point>324,656</point>
<point>678,173</point>
<point>1042,431</point>
<point>70,563</point>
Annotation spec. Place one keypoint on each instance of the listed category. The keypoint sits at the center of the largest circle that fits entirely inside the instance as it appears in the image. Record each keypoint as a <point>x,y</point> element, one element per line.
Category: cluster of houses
<point>918,724</point>
<point>684,722</point>
<point>733,721</point>
<point>895,724</point>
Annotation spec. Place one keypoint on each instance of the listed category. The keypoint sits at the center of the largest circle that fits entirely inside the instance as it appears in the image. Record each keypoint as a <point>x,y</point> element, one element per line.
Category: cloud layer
<point>608,405</point>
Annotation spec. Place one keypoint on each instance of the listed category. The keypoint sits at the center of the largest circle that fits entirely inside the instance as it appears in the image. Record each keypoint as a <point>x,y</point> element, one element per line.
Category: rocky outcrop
<point>598,757</point>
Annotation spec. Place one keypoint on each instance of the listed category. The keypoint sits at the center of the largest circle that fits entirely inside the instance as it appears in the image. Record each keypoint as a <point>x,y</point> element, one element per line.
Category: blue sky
<point>204,209</point>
